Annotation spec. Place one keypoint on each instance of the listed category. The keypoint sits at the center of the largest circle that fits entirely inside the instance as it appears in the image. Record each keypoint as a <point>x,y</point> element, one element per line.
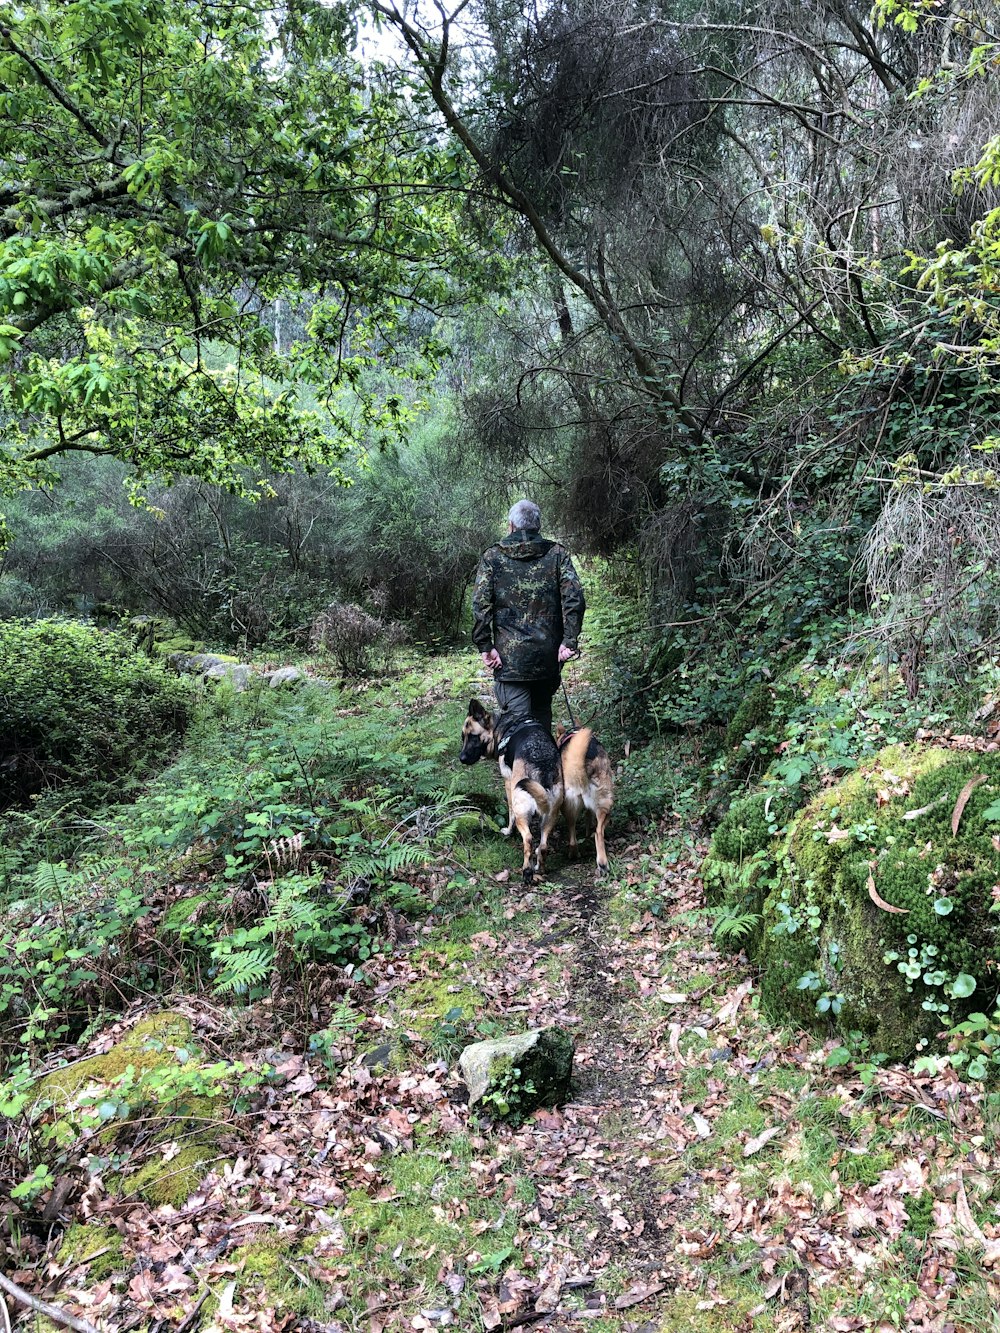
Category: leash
<point>569,706</point>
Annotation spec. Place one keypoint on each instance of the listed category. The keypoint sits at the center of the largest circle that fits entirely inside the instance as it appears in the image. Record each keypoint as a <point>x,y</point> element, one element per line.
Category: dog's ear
<point>477,712</point>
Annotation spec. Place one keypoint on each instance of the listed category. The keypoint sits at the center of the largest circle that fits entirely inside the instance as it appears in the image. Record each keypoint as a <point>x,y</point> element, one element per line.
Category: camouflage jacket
<point>526,602</point>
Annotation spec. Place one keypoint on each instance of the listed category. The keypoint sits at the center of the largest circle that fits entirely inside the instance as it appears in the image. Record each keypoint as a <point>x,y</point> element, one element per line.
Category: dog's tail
<point>574,759</point>
<point>538,794</point>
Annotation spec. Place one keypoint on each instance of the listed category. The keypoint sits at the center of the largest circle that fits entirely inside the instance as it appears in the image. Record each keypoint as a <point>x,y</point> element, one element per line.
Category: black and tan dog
<point>531,771</point>
<point>588,784</point>
<point>540,778</point>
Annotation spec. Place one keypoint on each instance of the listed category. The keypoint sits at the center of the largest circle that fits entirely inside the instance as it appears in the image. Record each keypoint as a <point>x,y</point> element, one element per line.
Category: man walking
<point>527,608</point>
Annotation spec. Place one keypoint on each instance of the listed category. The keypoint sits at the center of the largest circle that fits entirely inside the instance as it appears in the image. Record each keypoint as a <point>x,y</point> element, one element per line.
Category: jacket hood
<point>523,545</point>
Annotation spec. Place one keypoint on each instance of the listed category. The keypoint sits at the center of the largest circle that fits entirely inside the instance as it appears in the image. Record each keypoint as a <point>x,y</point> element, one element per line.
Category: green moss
<point>752,822</point>
<point>423,1005</point>
<point>179,913</point>
<point>920,1212</point>
<point>270,1266</point>
<point>685,1313</point>
<point>787,958</point>
<point>755,711</point>
<point>85,1239</point>
<point>174,1181</point>
<point>864,1168</point>
<point>821,919</point>
<point>147,1046</point>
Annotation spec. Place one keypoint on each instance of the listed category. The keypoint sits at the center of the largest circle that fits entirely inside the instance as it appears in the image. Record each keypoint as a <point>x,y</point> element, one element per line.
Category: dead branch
<point>53,1312</point>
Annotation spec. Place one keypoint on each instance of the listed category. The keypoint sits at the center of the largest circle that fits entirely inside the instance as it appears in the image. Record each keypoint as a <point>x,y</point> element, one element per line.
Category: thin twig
<point>53,1312</point>
<point>189,1319</point>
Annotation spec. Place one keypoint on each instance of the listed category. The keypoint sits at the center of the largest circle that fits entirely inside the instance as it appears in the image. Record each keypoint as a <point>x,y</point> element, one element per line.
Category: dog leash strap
<point>569,706</point>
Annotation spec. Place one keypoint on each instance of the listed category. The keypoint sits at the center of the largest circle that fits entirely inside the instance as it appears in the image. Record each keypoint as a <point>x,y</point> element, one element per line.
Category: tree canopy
<point>171,169</point>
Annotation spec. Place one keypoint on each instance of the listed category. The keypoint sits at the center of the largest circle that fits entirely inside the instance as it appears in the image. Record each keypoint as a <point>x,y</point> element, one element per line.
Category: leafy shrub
<point>358,641</point>
<point>80,705</point>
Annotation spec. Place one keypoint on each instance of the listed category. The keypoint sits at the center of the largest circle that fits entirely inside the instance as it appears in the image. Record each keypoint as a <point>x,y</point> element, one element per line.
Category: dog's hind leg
<point>571,810</point>
<point>529,864</point>
<point>602,855</point>
<point>508,791</point>
<point>548,824</point>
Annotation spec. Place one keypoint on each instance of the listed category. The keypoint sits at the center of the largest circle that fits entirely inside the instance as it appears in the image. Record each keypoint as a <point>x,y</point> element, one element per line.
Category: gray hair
<point>525,514</point>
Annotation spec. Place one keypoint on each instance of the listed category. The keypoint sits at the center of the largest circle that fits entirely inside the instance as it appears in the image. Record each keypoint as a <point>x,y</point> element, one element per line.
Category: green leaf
<point>963,986</point>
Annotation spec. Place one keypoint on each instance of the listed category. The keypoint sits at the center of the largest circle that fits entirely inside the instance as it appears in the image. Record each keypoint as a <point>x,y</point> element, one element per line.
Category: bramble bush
<point>359,642</point>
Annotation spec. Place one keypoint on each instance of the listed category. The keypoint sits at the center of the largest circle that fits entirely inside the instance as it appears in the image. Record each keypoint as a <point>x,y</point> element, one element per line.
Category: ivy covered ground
<point>242,1001</point>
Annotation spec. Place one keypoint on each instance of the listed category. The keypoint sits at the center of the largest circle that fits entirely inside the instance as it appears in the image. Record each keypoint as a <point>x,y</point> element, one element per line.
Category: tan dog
<point>588,784</point>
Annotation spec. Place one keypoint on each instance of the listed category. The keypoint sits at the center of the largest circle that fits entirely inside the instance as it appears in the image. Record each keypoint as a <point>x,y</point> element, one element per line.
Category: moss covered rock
<point>160,1042</point>
<point>517,1074</point>
<point>273,1269</point>
<point>830,951</point>
<point>149,1045</point>
<point>100,1247</point>
<point>173,1180</point>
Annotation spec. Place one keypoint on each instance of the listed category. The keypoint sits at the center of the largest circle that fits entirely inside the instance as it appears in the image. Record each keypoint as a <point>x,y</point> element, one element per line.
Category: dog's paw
<point>602,869</point>
<point>506,832</point>
<point>528,876</point>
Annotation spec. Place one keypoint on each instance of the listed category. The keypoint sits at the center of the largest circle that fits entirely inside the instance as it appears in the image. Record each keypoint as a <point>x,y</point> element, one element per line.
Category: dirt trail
<point>618,1223</point>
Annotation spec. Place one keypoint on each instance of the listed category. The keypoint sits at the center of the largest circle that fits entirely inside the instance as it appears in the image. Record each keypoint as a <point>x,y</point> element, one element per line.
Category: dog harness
<point>523,725</point>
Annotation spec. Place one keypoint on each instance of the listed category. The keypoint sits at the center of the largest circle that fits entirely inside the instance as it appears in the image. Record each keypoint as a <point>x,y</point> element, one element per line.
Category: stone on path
<point>543,1056</point>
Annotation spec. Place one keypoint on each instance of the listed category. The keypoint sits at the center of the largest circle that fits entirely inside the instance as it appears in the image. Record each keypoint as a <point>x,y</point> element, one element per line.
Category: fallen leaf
<point>964,1221</point>
<point>924,809</point>
<point>963,797</point>
<point>702,1126</point>
<point>729,1009</point>
<point>754,1145</point>
<point>881,902</point>
<point>636,1294</point>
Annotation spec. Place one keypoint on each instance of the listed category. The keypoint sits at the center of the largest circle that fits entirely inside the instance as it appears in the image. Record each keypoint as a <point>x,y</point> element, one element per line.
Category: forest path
<point>617,1219</point>
<point>715,1173</point>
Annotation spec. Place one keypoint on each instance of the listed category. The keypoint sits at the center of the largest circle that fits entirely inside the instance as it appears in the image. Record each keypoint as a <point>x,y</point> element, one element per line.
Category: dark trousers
<point>518,699</point>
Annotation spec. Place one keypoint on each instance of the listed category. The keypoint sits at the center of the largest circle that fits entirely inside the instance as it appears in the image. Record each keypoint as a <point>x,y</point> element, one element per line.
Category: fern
<point>732,925</point>
<point>384,863</point>
<point>282,853</point>
<point>245,969</point>
<point>53,880</point>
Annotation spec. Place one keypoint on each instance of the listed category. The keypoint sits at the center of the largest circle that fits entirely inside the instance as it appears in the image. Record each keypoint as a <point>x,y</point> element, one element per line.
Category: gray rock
<point>543,1058</point>
<point>237,673</point>
<point>193,663</point>
<point>288,675</point>
<point>379,1056</point>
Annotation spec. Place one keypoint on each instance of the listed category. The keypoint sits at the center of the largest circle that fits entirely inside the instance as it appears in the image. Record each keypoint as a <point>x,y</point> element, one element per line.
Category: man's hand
<point>566,653</point>
<point>492,660</point>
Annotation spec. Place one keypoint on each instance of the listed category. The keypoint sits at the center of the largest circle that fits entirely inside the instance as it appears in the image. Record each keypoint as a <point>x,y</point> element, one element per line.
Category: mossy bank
<point>872,907</point>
